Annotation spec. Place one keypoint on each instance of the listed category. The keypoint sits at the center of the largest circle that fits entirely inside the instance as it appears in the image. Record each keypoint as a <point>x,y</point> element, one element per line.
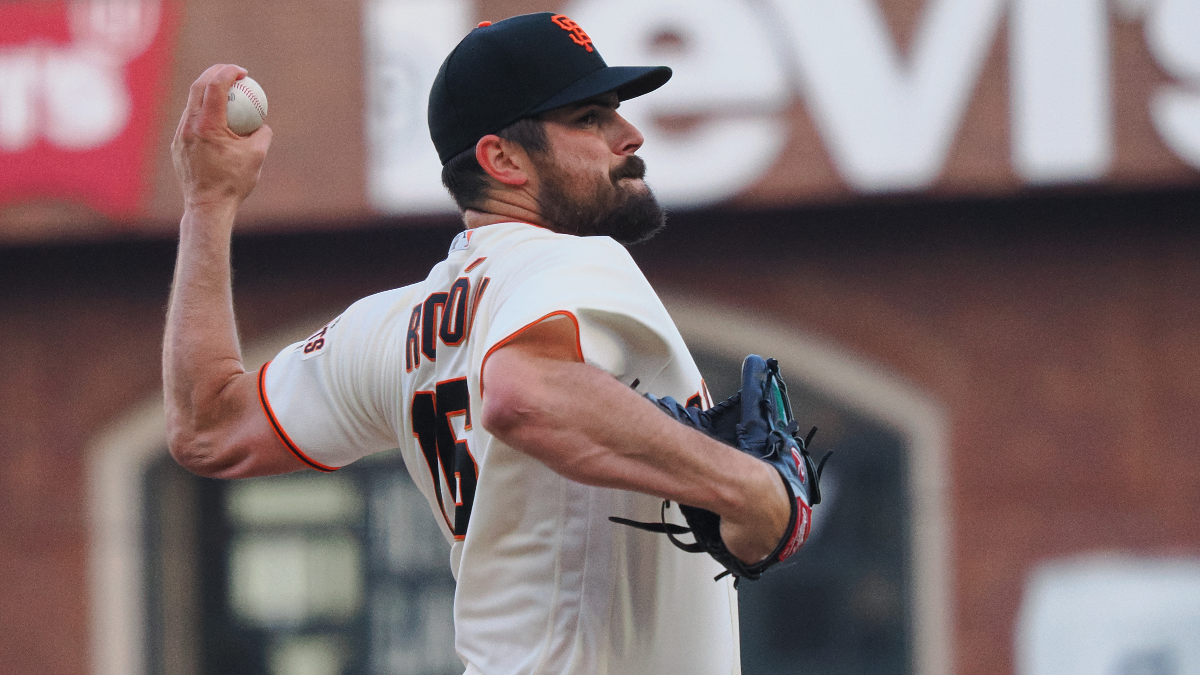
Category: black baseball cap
<point>520,67</point>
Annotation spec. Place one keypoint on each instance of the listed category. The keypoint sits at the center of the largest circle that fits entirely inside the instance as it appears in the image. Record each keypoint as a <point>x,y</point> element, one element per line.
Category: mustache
<point>634,167</point>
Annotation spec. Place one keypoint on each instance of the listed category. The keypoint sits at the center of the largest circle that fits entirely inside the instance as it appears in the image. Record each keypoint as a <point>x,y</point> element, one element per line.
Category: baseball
<point>247,107</point>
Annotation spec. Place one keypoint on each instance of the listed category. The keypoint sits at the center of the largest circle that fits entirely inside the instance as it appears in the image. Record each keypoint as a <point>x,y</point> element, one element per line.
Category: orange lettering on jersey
<point>442,315</point>
<point>412,343</point>
<point>478,296</point>
<point>453,328</point>
<point>431,314</point>
<point>315,343</point>
<point>577,33</point>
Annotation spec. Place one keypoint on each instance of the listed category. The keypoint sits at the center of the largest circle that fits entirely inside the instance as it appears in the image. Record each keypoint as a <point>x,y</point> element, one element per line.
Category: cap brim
<point>627,81</point>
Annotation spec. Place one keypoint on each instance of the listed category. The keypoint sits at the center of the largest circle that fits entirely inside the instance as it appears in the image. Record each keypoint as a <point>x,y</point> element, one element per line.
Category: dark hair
<point>467,181</point>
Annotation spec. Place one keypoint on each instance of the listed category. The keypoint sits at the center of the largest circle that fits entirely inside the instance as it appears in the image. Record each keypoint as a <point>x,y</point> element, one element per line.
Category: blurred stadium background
<point>967,228</point>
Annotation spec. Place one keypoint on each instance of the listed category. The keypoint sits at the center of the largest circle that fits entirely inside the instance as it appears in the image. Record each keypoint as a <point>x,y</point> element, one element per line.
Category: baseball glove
<point>758,421</point>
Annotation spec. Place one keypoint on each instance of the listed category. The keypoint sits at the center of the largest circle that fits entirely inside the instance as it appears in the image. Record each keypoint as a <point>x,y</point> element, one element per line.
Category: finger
<point>195,96</point>
<point>196,91</point>
<point>193,109</point>
<point>216,93</point>
<point>261,138</point>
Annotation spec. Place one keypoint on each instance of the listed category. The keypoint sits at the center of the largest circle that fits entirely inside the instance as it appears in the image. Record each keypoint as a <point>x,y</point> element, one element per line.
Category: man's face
<point>590,182</point>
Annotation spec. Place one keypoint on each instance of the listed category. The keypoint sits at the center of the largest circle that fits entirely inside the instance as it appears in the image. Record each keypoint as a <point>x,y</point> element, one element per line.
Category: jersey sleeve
<point>327,396</point>
<point>623,327</point>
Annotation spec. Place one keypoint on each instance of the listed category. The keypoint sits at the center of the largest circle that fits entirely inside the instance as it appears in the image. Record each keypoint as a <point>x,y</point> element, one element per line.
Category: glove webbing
<point>669,529</point>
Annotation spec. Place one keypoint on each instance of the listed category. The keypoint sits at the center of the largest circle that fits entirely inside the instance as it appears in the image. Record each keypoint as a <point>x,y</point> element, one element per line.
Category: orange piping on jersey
<point>510,338</point>
<point>474,264</point>
<point>279,432</point>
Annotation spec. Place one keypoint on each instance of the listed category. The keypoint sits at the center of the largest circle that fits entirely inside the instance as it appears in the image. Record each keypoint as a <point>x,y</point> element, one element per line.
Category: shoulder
<point>531,249</point>
<point>374,319</point>
<point>380,306</point>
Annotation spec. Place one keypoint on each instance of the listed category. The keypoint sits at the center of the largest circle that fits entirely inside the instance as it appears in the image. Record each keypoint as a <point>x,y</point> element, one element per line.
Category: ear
<point>503,160</point>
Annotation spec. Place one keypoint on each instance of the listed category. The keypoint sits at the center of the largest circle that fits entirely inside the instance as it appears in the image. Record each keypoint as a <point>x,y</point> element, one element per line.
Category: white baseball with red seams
<point>246,108</point>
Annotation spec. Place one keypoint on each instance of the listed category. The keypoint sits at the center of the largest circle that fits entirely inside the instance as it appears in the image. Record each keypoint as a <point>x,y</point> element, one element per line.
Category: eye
<point>589,118</point>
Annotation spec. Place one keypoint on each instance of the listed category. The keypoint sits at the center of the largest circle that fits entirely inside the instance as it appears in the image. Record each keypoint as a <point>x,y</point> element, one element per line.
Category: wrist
<point>779,505</point>
<point>770,509</point>
<point>208,216</point>
<point>214,205</point>
<point>758,493</point>
<point>753,532</point>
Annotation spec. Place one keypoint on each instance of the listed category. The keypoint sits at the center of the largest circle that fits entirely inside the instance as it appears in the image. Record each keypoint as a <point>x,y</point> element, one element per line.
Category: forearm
<point>591,428</point>
<point>214,426</point>
<point>201,355</point>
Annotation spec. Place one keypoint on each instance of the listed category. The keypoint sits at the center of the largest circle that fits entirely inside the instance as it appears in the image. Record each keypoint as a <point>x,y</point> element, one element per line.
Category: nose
<point>628,139</point>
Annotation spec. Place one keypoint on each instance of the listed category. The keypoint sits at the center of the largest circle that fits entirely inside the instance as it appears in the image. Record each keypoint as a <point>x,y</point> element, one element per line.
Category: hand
<point>754,536</point>
<point>216,166</point>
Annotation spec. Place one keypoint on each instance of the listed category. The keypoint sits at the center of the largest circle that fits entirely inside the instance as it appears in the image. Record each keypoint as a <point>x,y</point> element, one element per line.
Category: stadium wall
<point>1056,332</point>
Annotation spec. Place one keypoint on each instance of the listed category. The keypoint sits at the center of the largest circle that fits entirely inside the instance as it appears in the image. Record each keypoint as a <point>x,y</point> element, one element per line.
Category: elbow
<point>210,430</point>
<point>524,422</point>
<point>507,399</point>
<point>506,412</point>
<point>516,416</point>
<point>523,409</point>
<point>189,454</point>
<point>196,452</point>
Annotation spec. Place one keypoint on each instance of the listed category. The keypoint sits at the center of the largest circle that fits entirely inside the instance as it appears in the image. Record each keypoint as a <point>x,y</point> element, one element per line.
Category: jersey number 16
<point>447,457</point>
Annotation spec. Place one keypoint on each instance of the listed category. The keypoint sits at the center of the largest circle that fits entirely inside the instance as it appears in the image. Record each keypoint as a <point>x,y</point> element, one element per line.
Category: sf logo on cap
<point>577,33</point>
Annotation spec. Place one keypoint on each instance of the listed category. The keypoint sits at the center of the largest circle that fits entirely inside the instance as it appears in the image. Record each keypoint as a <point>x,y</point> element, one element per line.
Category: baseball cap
<point>520,67</point>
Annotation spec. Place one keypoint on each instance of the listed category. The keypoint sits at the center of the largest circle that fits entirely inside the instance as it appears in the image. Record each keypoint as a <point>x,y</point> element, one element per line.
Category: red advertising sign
<point>81,82</point>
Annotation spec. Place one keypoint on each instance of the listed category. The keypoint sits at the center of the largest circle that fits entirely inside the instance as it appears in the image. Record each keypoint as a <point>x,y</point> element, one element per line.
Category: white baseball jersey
<point>546,583</point>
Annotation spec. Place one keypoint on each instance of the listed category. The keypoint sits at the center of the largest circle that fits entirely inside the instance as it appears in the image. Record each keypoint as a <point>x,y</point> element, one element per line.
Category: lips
<point>634,167</point>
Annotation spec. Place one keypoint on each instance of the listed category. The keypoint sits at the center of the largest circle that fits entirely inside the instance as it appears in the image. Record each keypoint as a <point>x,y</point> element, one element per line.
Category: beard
<point>606,208</point>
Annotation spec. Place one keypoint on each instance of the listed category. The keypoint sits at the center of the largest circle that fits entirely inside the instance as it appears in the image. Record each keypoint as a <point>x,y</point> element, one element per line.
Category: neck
<point>473,219</point>
<point>505,207</point>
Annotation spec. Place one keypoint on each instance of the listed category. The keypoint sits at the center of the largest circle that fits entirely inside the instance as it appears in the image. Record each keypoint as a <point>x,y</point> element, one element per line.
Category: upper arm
<point>512,373</point>
<point>332,398</point>
<point>322,402</point>
<point>554,337</point>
